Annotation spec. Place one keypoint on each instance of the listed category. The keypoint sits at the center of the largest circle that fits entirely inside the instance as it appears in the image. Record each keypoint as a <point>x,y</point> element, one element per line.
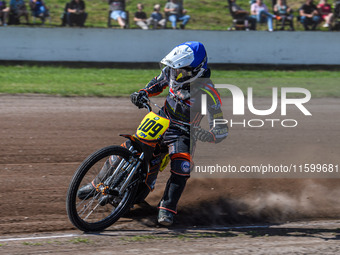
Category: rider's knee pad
<point>181,164</point>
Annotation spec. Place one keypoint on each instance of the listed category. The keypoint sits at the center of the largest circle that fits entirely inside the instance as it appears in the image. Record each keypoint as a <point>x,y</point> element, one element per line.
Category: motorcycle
<point>118,176</point>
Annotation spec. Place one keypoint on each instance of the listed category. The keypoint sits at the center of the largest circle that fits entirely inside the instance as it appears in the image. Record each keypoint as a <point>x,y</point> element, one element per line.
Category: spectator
<point>4,10</point>
<point>175,12</point>
<point>309,15</point>
<point>140,17</point>
<point>260,12</point>
<point>326,12</point>
<point>285,12</point>
<point>18,8</point>
<point>77,14</point>
<point>156,18</point>
<point>241,13</point>
<point>39,9</point>
<point>118,12</point>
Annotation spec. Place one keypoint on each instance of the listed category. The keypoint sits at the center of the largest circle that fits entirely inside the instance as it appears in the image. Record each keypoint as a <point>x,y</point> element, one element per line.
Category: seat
<point>109,20</point>
<point>287,22</point>
<point>167,15</point>
<point>4,12</point>
<point>239,20</point>
<point>14,18</point>
<point>64,18</point>
<point>42,16</point>
<point>167,20</point>
<point>336,16</point>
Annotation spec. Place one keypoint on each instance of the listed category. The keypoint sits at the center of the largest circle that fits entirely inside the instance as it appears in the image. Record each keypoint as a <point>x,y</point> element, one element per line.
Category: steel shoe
<point>86,191</point>
<point>165,217</point>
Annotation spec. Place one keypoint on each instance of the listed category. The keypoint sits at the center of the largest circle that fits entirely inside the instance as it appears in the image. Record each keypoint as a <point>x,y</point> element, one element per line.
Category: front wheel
<point>88,208</point>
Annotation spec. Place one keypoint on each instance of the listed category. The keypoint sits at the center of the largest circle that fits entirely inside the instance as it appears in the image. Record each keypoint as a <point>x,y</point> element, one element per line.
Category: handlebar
<point>185,127</point>
<point>148,107</point>
<point>146,104</point>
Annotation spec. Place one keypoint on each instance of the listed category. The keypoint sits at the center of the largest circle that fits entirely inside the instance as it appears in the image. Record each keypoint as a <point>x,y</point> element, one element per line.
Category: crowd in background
<point>310,15</point>
<point>16,9</point>
<point>74,13</point>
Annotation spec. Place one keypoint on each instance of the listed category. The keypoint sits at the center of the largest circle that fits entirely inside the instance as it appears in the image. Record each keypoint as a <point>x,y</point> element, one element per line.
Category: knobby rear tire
<point>71,199</point>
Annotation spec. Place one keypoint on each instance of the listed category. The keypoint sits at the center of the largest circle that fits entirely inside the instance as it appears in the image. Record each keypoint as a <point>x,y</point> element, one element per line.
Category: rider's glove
<point>138,98</point>
<point>204,135</point>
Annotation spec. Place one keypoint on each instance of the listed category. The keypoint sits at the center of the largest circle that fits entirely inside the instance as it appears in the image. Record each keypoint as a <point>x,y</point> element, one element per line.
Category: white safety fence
<point>139,46</point>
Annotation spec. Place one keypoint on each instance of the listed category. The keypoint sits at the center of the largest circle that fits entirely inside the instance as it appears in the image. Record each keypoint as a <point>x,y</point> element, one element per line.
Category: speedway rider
<point>188,77</point>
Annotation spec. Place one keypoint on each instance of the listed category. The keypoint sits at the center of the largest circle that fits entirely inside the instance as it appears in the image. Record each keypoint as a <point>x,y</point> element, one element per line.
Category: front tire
<point>90,214</point>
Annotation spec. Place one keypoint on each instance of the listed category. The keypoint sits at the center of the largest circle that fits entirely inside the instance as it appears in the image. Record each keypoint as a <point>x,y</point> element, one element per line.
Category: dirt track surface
<point>43,139</point>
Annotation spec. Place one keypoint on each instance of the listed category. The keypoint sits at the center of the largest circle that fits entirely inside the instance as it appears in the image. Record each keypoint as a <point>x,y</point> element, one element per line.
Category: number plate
<point>152,127</point>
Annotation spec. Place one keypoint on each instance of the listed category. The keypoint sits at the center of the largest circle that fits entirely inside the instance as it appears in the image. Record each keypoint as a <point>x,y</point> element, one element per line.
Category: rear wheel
<point>97,211</point>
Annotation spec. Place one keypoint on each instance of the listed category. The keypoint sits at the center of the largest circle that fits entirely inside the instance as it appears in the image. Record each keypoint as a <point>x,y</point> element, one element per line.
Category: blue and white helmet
<point>187,62</point>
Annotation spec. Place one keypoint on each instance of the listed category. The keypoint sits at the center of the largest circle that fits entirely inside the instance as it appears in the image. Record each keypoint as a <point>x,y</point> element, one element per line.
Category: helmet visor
<point>181,74</point>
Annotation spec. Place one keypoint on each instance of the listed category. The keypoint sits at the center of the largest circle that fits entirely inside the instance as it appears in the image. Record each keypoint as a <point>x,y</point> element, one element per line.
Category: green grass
<point>32,244</point>
<point>182,237</point>
<point>320,83</point>
<point>141,238</point>
<point>80,240</point>
<point>72,81</point>
<point>205,15</point>
<point>110,82</point>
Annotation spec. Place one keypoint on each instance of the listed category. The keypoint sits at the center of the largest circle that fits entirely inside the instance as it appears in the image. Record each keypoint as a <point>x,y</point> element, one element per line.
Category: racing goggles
<point>181,74</point>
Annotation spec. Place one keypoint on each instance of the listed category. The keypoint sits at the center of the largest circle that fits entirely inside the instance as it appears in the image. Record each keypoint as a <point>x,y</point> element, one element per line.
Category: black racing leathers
<point>184,105</point>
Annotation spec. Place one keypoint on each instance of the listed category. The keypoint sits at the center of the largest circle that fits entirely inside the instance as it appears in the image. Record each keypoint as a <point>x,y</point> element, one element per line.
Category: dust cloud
<point>249,201</point>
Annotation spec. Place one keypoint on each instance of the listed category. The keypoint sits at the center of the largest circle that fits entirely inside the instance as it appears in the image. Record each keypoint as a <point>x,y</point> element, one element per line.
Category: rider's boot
<point>89,190</point>
<point>171,196</point>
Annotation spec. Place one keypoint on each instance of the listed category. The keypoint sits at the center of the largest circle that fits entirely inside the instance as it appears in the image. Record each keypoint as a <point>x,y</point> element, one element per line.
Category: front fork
<point>132,169</point>
<point>125,168</point>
